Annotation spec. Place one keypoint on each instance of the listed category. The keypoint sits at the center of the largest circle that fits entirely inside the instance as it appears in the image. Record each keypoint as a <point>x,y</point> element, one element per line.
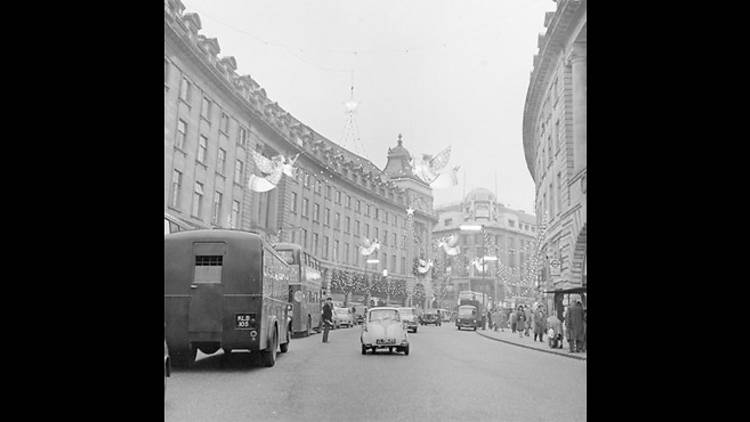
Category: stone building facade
<point>554,140</point>
<point>213,117</point>
<point>508,235</point>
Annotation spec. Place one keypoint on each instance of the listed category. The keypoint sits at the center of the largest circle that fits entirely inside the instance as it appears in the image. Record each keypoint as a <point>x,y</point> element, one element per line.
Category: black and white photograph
<point>375,210</point>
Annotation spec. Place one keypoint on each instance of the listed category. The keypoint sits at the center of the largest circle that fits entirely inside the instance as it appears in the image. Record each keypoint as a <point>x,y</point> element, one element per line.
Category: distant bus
<point>224,289</point>
<point>477,299</point>
<point>305,291</point>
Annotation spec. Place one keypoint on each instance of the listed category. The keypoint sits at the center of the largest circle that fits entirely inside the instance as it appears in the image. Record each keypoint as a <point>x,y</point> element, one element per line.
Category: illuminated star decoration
<point>410,211</point>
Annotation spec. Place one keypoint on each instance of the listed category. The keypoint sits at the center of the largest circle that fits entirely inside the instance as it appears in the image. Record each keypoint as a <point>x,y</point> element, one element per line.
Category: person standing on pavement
<point>513,321</point>
<point>574,326</point>
<point>540,324</point>
<point>327,318</point>
<point>529,318</point>
<point>521,324</point>
<point>555,336</point>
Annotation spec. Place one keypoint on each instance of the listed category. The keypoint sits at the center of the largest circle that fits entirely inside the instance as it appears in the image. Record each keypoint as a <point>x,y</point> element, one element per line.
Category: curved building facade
<point>554,140</point>
<point>214,118</point>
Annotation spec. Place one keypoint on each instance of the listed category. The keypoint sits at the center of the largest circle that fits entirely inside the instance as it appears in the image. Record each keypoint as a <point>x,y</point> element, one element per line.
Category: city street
<point>449,375</point>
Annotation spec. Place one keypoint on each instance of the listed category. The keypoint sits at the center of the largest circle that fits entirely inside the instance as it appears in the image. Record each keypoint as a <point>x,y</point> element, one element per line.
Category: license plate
<point>385,341</point>
<point>243,320</point>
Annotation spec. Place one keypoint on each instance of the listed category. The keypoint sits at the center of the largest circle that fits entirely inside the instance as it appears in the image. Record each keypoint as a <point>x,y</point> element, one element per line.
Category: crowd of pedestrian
<point>524,320</point>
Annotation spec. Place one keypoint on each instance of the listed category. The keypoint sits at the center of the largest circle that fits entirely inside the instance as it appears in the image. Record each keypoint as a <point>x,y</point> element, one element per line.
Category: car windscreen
<point>406,312</point>
<point>384,315</point>
<point>465,312</point>
<point>341,311</point>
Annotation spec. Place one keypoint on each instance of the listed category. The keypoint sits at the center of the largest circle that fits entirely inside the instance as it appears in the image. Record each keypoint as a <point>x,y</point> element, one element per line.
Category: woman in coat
<point>521,324</point>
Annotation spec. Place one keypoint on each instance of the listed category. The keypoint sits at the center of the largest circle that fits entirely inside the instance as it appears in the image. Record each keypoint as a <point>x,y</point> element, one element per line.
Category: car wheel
<point>364,350</point>
<point>227,350</point>
<point>475,328</point>
<point>406,351</point>
<point>390,350</point>
<point>415,329</point>
<point>269,354</point>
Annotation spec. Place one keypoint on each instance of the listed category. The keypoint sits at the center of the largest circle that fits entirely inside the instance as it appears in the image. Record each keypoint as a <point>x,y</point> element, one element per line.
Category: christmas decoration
<point>450,245</point>
<point>429,168</point>
<point>273,169</point>
<point>368,246</point>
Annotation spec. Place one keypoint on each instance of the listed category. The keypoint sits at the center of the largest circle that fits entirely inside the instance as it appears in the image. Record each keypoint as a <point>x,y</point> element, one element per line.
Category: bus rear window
<point>208,268</point>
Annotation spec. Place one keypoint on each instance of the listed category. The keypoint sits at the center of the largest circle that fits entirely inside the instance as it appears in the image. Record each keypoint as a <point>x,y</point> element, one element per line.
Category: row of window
<point>554,191</point>
<point>202,152</point>
<point>197,206</point>
<point>308,179</point>
<point>345,200</point>
<point>347,226</point>
<point>207,108</point>
<point>350,254</point>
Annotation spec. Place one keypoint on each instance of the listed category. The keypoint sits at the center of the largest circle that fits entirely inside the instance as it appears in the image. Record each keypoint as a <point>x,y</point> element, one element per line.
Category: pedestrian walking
<point>513,321</point>
<point>503,320</point>
<point>327,318</point>
<point>529,317</point>
<point>521,324</point>
<point>574,326</point>
<point>554,337</point>
<point>584,329</point>
<point>489,319</point>
<point>540,324</point>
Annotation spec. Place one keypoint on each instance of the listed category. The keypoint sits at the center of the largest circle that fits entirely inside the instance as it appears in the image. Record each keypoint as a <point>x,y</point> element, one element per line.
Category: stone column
<point>578,65</point>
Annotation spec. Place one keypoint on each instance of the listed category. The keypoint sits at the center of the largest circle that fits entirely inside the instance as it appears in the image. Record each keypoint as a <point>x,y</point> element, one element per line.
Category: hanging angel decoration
<point>450,245</point>
<point>368,247</point>
<point>424,266</point>
<point>477,262</point>
<point>272,169</point>
<point>432,170</point>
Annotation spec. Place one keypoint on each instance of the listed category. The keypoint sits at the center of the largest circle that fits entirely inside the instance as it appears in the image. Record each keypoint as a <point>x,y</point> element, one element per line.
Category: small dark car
<point>430,317</point>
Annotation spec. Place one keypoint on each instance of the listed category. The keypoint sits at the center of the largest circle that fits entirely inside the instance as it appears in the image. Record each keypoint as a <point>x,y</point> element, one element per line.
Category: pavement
<point>508,337</point>
<point>449,375</point>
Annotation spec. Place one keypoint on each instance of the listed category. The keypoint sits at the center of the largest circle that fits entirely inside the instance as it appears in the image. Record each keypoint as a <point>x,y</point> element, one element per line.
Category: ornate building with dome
<point>507,234</point>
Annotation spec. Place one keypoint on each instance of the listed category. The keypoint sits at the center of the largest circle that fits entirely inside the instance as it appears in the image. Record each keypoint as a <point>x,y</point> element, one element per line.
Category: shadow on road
<point>235,361</point>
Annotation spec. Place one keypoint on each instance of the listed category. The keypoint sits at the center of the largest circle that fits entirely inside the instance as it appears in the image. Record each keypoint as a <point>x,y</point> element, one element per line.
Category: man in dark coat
<point>327,318</point>
<point>540,324</point>
<point>574,326</point>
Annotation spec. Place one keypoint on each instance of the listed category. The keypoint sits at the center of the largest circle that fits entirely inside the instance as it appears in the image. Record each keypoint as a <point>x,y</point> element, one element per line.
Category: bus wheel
<point>268,355</point>
<point>284,347</point>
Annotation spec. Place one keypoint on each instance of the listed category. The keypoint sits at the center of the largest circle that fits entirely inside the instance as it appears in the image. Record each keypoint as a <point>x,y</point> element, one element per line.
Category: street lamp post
<point>369,261</point>
<point>387,287</point>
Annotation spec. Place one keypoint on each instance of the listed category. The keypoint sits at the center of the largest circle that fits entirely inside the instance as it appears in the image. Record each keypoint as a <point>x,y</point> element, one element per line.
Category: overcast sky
<point>438,72</point>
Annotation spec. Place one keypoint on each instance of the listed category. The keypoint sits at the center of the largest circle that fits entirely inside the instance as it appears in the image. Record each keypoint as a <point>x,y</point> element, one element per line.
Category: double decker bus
<point>224,289</point>
<point>305,291</point>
